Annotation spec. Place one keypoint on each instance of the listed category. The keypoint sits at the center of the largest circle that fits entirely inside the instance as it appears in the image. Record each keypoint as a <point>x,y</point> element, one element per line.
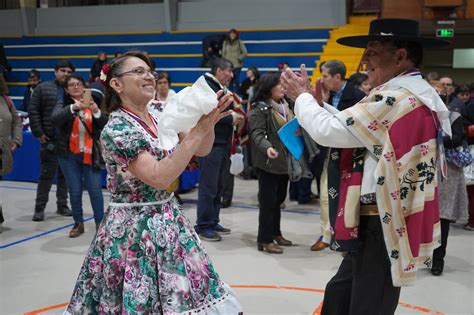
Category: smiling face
<point>135,83</point>
<point>382,62</point>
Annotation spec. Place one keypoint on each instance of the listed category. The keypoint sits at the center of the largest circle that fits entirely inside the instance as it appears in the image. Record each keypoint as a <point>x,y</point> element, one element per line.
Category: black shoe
<point>178,198</point>
<point>437,268</point>
<point>38,216</point>
<point>64,211</point>
<point>226,203</point>
<point>209,235</point>
<point>221,230</point>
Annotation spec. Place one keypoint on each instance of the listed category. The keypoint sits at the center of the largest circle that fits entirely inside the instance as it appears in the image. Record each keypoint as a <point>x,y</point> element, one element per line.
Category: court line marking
<point>317,311</point>
<point>26,239</point>
<point>192,201</point>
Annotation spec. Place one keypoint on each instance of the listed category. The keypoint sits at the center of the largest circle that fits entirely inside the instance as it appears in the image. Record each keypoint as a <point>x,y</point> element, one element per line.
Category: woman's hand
<point>272,153</point>
<point>94,107</point>
<point>77,105</point>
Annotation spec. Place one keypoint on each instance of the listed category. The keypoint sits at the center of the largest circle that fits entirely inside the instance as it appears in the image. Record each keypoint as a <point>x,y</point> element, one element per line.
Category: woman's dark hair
<point>265,85</point>
<point>255,72</point>
<point>358,78</point>
<point>112,99</point>
<point>164,75</point>
<point>74,76</point>
<point>236,32</point>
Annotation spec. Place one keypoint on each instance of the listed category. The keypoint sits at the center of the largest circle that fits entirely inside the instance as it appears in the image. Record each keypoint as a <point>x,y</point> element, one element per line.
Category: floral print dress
<point>146,258</point>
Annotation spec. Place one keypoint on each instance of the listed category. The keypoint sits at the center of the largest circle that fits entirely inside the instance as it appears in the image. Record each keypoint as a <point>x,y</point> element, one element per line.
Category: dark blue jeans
<point>77,173</point>
<point>211,187</point>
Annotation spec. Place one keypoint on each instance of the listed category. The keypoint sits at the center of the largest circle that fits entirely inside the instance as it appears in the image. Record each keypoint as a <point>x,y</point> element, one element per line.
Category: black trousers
<point>271,193</point>
<point>228,182</point>
<point>49,167</point>
<point>363,283</point>
<point>440,252</point>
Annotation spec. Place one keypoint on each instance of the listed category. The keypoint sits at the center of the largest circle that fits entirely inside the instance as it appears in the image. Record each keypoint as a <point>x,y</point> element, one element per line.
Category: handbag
<point>97,159</point>
<point>460,156</point>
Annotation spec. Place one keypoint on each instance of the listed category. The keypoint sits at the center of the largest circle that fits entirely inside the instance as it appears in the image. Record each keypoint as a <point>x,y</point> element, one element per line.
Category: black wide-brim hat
<point>396,29</point>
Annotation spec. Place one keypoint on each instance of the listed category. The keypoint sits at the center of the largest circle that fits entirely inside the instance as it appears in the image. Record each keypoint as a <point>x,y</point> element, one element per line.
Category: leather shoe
<point>282,241</point>
<point>77,230</point>
<point>64,211</point>
<point>271,248</point>
<point>319,245</point>
<point>437,268</point>
<point>226,203</point>
<point>38,216</point>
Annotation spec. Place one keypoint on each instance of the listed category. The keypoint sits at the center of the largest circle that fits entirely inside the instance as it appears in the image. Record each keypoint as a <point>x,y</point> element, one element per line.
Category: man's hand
<point>43,139</point>
<point>320,93</point>
<point>13,146</point>
<point>295,84</point>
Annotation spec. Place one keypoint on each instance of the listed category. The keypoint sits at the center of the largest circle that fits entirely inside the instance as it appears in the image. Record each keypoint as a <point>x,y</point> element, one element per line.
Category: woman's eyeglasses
<point>141,72</point>
<point>75,84</point>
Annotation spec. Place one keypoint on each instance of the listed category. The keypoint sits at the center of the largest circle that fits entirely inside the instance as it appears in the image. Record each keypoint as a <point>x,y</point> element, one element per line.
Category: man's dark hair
<point>220,63</point>
<point>414,50</point>
<point>34,74</point>
<point>64,64</point>
<point>462,88</point>
<point>335,67</point>
<point>267,82</point>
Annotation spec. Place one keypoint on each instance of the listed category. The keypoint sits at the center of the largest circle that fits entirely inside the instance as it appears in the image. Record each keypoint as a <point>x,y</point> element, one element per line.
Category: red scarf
<point>74,139</point>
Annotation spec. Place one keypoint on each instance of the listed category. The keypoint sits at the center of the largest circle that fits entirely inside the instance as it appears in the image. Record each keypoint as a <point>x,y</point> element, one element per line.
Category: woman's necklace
<point>142,123</point>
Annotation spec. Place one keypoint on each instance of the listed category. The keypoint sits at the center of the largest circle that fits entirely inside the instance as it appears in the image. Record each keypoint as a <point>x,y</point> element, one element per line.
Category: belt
<point>370,209</point>
<point>141,204</point>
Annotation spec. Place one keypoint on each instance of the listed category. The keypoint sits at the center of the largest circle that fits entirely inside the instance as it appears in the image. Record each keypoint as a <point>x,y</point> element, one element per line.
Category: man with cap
<point>34,79</point>
<point>384,203</point>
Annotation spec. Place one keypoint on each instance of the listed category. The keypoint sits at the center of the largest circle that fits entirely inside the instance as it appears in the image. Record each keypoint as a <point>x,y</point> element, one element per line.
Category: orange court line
<point>49,308</point>
<point>317,311</point>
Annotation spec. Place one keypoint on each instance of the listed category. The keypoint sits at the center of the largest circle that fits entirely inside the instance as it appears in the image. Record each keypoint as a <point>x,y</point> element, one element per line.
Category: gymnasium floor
<point>39,263</point>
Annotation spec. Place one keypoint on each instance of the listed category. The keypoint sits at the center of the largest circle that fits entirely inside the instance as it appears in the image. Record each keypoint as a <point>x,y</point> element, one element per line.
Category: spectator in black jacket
<point>34,79</point>
<point>213,165</point>
<point>41,105</point>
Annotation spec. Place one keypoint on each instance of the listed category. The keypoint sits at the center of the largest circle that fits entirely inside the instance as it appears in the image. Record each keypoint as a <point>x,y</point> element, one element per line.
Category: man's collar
<point>342,88</point>
<point>211,76</point>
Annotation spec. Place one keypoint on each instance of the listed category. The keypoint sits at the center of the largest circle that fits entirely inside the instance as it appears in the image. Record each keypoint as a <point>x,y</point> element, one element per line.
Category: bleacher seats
<point>178,53</point>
